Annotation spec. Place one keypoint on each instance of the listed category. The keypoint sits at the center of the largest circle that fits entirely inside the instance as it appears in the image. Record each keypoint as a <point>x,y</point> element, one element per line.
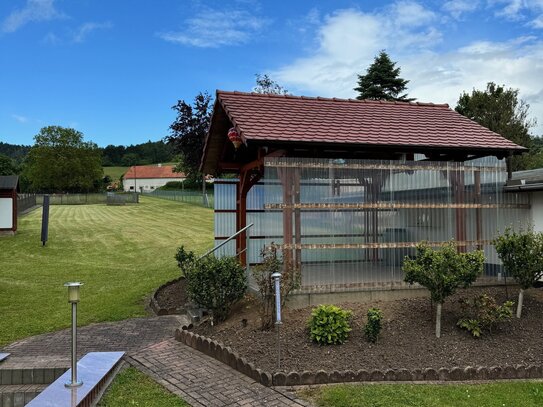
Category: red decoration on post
<point>234,137</point>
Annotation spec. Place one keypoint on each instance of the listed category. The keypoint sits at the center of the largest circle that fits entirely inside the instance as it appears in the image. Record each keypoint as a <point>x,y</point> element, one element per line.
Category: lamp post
<point>73,298</point>
<point>277,281</point>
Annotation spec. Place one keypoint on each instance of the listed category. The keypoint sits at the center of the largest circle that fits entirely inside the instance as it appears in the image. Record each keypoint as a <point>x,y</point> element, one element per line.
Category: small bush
<point>184,259</point>
<point>216,284</point>
<point>373,326</point>
<point>329,325</point>
<point>290,280</point>
<point>482,313</point>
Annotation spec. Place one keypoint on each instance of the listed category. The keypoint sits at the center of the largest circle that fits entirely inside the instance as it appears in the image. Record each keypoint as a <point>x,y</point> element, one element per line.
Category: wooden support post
<point>297,218</point>
<point>247,178</point>
<point>458,187</point>
<point>285,175</point>
<point>478,210</point>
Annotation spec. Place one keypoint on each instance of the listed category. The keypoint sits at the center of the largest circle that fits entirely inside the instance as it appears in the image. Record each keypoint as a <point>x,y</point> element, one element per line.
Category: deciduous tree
<point>188,133</point>
<point>60,161</point>
<point>266,85</point>
<point>442,272</point>
<point>382,81</point>
<point>500,110</point>
<point>7,166</point>
<point>522,257</point>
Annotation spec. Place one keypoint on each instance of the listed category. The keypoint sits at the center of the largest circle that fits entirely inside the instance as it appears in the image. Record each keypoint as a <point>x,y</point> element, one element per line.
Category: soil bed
<point>406,341</point>
<point>173,295</point>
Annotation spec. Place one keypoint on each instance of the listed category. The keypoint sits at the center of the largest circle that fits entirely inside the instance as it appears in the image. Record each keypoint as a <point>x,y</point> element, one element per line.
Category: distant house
<point>147,178</point>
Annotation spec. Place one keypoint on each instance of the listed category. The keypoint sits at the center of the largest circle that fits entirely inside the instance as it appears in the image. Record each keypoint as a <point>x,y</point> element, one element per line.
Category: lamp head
<point>73,291</point>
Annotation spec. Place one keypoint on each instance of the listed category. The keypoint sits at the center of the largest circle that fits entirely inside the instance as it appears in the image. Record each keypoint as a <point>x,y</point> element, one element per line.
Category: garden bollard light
<point>73,298</point>
<point>277,280</point>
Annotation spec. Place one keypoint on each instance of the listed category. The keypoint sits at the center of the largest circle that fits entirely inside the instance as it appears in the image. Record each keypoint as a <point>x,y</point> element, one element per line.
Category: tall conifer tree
<point>382,81</point>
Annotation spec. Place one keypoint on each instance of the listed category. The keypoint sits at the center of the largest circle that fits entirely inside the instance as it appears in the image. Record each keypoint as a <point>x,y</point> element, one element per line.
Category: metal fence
<point>89,199</point>
<point>25,202</point>
<point>186,196</point>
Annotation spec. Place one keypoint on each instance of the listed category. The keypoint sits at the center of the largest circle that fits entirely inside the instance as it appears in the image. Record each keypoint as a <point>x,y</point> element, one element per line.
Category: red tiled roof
<point>148,171</point>
<point>322,120</point>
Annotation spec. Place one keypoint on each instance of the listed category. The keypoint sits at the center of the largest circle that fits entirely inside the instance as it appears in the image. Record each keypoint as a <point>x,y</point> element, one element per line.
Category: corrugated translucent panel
<point>350,223</point>
<point>229,249</point>
<point>225,194</point>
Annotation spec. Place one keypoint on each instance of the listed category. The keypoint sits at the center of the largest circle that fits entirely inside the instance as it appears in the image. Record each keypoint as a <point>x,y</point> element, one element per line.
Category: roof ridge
<point>333,99</point>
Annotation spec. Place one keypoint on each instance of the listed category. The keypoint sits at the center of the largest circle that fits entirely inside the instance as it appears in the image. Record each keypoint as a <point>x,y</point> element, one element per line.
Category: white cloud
<point>349,40</point>
<point>458,7</point>
<point>19,118</point>
<point>85,29</point>
<point>516,10</point>
<point>34,10</point>
<point>537,22</point>
<point>212,28</point>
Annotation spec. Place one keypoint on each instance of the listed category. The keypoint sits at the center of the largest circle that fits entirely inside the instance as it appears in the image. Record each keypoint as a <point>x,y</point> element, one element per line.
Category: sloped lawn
<point>121,253</point>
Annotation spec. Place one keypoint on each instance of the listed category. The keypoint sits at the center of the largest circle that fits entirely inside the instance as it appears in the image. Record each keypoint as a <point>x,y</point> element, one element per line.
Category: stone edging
<point>157,309</point>
<point>226,355</point>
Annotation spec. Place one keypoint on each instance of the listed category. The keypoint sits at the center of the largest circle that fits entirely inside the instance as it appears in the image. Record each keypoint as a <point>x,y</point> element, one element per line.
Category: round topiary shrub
<point>216,284</point>
<point>329,325</point>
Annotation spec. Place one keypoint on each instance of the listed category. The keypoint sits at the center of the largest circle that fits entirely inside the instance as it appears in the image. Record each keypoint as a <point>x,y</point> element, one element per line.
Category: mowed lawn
<point>499,394</point>
<point>120,253</point>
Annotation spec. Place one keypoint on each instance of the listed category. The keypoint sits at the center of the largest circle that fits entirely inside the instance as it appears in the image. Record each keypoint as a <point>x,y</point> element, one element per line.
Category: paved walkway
<point>198,379</point>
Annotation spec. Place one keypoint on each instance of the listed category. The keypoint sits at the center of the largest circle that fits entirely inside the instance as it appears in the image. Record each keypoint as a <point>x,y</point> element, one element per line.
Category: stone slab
<point>91,369</point>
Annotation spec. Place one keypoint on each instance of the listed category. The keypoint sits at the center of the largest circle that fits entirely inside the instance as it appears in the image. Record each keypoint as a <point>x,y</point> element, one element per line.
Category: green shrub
<point>184,259</point>
<point>172,185</point>
<point>483,313</point>
<point>373,326</point>
<point>329,325</point>
<point>216,284</point>
<point>442,272</point>
<point>522,256</point>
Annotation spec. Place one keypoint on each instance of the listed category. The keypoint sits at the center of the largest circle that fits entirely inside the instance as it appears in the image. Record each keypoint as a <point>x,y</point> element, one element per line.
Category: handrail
<point>226,241</point>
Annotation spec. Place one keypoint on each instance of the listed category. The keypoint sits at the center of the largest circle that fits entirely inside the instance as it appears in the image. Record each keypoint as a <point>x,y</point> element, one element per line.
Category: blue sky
<point>113,69</point>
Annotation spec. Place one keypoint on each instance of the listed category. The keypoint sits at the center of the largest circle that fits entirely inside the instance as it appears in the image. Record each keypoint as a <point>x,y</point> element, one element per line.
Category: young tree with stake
<point>522,257</point>
<point>442,272</point>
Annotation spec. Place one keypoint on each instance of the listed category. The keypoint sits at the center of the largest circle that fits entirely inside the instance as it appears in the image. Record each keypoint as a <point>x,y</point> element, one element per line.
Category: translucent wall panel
<point>350,223</point>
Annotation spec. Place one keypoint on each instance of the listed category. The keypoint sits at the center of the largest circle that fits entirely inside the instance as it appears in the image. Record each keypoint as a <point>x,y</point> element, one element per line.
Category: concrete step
<point>95,370</point>
<point>29,375</point>
<point>18,395</point>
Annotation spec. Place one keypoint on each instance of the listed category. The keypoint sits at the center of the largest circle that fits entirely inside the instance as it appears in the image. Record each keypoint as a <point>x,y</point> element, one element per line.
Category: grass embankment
<point>121,253</point>
<point>115,172</point>
<point>508,394</point>
<point>133,388</point>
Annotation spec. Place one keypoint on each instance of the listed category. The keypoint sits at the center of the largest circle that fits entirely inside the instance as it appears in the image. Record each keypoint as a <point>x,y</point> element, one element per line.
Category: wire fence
<point>25,202</point>
<point>186,196</point>
<point>110,198</point>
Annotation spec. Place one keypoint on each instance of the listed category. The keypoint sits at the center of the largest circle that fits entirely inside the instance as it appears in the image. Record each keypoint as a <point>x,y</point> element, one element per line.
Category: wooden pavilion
<point>247,129</point>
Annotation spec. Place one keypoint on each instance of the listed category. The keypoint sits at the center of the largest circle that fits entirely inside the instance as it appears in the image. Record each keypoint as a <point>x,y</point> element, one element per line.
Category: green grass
<point>503,394</point>
<point>121,253</point>
<point>115,172</point>
<point>133,388</point>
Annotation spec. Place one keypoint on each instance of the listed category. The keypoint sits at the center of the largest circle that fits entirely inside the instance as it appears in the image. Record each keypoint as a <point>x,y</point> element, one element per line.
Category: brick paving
<point>197,378</point>
<point>204,381</point>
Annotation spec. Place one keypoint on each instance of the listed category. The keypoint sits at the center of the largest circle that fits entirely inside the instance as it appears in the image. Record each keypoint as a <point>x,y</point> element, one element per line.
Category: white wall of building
<point>6,213</point>
<point>148,184</point>
<point>537,210</point>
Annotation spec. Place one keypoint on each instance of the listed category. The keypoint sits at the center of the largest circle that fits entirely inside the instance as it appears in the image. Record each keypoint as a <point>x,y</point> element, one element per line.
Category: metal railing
<point>229,239</point>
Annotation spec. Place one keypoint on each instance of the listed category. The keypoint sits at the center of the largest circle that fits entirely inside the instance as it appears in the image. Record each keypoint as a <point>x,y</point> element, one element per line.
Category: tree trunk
<point>438,320</point>
<point>519,305</point>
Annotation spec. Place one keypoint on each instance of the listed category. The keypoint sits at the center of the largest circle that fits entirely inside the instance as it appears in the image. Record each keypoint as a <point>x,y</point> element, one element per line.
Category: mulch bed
<point>173,295</point>
<point>407,339</point>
